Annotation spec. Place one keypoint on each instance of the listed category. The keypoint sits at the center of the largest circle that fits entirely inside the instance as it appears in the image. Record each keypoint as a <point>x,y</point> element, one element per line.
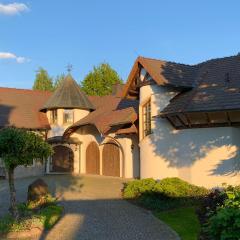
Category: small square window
<point>67,116</point>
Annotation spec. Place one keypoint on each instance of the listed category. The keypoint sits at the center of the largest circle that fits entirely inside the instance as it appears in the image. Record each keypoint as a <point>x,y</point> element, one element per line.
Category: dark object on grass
<point>37,190</point>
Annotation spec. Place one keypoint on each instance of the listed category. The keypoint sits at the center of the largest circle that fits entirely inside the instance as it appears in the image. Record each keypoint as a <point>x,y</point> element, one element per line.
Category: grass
<point>32,215</point>
<point>172,200</point>
<point>183,220</point>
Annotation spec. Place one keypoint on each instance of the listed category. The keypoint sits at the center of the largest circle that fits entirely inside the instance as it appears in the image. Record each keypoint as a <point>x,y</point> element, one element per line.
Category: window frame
<point>53,116</point>
<point>146,118</point>
<point>65,113</point>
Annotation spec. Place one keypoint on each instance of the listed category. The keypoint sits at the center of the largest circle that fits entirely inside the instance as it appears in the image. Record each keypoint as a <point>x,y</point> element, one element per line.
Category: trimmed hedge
<point>175,187</point>
<point>136,188</point>
<point>166,194</point>
<point>168,187</point>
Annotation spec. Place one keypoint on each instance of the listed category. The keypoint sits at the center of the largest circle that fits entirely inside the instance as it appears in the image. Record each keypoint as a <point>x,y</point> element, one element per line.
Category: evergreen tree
<point>43,81</point>
<point>100,80</point>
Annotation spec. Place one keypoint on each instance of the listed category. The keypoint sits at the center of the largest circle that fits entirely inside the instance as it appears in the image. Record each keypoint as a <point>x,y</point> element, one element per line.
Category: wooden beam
<point>188,120</point>
<point>171,122</point>
<point>208,119</point>
<point>228,119</point>
<point>133,91</point>
<point>180,120</point>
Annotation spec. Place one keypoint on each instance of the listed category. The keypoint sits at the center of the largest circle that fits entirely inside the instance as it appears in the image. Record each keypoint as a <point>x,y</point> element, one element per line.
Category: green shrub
<point>166,188</point>
<point>175,187</point>
<point>225,223</point>
<point>50,215</point>
<point>135,188</point>
<point>43,214</point>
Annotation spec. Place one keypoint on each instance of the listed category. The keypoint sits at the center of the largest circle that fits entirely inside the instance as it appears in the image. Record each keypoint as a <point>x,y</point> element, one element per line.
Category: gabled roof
<point>110,111</point>
<point>20,108</point>
<point>163,73</point>
<point>68,95</point>
<point>217,88</point>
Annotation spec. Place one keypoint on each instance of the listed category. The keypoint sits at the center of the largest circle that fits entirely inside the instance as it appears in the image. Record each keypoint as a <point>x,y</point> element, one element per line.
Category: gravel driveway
<point>93,210</point>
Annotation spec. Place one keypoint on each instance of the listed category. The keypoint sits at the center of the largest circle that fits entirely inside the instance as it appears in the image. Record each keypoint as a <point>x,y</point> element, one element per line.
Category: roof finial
<point>69,68</point>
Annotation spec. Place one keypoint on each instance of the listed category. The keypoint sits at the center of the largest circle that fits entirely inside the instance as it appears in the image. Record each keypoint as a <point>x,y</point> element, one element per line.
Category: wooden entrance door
<point>92,159</point>
<point>62,159</point>
<point>111,160</point>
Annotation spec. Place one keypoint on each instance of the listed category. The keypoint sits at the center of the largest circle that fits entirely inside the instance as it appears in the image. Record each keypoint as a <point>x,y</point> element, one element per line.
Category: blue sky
<point>54,33</point>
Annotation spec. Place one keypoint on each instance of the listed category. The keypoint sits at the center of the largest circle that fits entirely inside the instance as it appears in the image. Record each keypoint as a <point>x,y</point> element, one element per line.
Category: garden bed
<point>35,218</point>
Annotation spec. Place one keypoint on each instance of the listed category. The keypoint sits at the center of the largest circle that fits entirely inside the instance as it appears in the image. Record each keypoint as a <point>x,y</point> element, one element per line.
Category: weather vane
<point>69,68</point>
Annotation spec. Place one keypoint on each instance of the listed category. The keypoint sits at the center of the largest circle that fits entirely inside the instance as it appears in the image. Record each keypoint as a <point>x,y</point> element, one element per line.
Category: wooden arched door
<point>62,159</point>
<point>93,159</point>
<point>111,160</point>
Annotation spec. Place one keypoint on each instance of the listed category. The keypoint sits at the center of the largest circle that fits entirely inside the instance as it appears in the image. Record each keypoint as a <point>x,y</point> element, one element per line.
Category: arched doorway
<point>111,160</point>
<point>93,159</point>
<point>62,159</point>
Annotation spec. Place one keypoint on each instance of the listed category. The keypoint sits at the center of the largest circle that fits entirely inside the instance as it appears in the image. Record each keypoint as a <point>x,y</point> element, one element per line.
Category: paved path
<point>94,210</point>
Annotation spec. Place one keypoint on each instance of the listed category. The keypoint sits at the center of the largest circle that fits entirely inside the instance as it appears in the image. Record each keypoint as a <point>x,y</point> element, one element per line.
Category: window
<point>53,116</point>
<point>147,118</point>
<point>68,116</point>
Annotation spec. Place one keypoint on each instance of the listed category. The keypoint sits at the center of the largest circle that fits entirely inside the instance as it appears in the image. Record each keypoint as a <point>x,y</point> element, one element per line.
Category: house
<point>189,118</point>
<point>169,120</point>
<point>89,134</point>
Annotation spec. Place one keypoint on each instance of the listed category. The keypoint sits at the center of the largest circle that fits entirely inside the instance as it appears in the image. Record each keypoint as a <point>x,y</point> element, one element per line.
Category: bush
<point>43,213</point>
<point>209,204</point>
<point>167,187</point>
<point>175,187</point>
<point>224,223</point>
<point>168,193</point>
<point>135,188</point>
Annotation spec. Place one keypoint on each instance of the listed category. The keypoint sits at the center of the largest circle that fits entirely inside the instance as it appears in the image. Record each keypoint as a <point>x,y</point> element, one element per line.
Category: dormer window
<point>67,116</point>
<point>53,116</point>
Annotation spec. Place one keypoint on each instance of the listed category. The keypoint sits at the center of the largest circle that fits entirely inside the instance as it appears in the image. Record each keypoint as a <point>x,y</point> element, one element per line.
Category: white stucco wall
<point>58,128</point>
<point>205,156</point>
<point>129,154</point>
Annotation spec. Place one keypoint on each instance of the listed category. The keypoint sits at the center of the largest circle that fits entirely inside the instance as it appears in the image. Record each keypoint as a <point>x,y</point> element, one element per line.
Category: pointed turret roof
<point>68,95</point>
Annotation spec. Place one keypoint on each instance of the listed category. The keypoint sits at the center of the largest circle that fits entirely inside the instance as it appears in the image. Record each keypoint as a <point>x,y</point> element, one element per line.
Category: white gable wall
<point>205,156</point>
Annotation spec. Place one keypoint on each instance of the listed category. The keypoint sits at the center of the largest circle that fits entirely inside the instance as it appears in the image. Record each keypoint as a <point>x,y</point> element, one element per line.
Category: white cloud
<point>13,8</point>
<point>8,55</point>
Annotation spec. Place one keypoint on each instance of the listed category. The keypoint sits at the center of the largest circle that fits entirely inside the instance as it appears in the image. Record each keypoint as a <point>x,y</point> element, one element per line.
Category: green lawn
<point>183,220</point>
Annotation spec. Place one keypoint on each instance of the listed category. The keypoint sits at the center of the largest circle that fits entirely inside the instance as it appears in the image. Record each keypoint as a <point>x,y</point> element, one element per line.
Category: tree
<point>100,80</point>
<point>58,80</point>
<point>20,147</point>
<point>43,81</point>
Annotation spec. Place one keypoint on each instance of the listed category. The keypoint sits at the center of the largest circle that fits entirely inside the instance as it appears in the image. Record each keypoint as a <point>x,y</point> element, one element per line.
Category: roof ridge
<point>167,61</point>
<point>192,65</point>
<point>216,59</point>
<point>25,89</point>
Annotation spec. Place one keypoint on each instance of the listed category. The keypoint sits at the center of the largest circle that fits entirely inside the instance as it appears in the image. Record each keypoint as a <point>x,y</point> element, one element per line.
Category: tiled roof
<point>163,73</point>
<point>216,88</point>
<point>110,111</point>
<point>20,108</point>
<point>168,73</point>
<point>68,95</point>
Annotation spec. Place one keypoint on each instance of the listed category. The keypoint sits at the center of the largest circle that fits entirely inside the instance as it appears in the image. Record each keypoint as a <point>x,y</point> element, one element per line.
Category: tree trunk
<point>13,203</point>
